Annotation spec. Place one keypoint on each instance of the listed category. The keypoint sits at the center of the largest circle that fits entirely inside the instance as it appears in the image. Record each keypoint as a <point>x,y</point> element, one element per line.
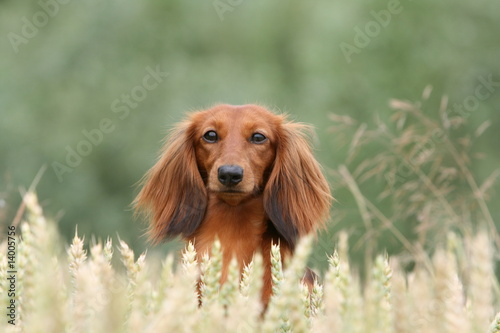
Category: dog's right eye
<point>211,137</point>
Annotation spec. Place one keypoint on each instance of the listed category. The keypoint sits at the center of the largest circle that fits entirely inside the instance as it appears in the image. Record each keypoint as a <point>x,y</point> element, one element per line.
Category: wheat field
<point>442,281</point>
<point>65,288</point>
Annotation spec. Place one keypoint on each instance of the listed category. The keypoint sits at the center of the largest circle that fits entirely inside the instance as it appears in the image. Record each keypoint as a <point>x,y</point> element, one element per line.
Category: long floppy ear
<point>173,195</point>
<point>296,197</point>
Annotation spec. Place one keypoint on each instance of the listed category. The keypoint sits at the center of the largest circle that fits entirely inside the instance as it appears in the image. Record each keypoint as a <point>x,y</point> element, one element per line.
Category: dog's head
<point>234,153</point>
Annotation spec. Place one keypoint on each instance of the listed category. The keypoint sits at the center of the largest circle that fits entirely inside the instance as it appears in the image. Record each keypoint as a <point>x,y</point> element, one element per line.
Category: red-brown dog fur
<point>281,196</point>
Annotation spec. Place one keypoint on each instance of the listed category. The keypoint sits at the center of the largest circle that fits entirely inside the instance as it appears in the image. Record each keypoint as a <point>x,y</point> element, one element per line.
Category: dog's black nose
<point>230,174</point>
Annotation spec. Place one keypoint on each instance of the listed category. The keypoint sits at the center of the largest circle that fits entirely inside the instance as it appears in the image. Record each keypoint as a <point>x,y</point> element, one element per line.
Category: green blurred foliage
<point>284,54</point>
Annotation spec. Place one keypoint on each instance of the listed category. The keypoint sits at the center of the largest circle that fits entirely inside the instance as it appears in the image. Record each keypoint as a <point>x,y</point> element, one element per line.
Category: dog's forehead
<point>248,116</point>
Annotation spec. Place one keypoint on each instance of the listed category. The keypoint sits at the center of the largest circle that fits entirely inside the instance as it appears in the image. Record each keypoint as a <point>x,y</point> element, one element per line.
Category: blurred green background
<point>67,65</point>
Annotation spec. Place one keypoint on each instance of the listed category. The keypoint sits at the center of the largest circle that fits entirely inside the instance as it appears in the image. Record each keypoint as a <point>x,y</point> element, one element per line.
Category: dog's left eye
<point>258,138</point>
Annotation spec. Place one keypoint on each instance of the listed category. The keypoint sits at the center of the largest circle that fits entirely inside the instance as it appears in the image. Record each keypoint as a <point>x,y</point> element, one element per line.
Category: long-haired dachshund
<point>239,173</point>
